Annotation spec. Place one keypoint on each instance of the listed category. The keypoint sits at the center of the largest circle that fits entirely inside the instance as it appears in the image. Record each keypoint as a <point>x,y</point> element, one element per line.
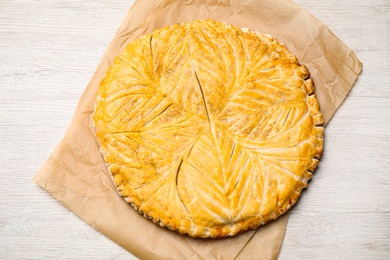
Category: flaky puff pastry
<point>208,129</point>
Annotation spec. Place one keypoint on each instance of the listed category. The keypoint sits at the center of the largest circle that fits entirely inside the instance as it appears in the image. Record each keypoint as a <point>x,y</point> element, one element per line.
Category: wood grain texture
<point>49,51</point>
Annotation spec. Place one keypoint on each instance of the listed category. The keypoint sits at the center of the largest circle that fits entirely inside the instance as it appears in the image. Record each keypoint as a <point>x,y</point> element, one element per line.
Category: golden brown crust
<point>208,129</point>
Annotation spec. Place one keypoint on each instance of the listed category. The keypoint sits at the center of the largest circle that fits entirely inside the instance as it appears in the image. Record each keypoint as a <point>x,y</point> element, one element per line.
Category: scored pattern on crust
<point>208,129</point>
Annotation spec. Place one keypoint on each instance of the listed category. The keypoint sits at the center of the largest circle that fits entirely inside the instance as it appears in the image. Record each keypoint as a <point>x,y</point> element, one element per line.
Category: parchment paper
<point>76,175</point>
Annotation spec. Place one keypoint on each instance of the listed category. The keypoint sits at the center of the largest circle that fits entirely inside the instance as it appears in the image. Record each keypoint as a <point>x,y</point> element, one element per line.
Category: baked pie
<point>208,129</point>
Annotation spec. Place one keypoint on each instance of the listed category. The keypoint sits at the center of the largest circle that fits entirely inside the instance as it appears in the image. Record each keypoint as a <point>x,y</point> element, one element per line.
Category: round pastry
<point>208,129</point>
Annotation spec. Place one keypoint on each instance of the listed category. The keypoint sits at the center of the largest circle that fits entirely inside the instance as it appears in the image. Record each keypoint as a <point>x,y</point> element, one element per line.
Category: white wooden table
<point>48,52</point>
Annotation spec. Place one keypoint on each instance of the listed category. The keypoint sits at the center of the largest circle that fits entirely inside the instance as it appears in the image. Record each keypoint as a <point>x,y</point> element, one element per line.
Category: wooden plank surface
<point>48,53</point>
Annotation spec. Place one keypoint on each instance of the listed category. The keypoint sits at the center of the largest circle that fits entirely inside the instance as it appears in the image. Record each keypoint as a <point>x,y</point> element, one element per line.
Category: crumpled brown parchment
<point>76,175</point>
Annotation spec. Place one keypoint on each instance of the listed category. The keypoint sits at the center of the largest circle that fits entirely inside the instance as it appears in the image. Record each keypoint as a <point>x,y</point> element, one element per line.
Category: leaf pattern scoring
<point>208,129</point>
